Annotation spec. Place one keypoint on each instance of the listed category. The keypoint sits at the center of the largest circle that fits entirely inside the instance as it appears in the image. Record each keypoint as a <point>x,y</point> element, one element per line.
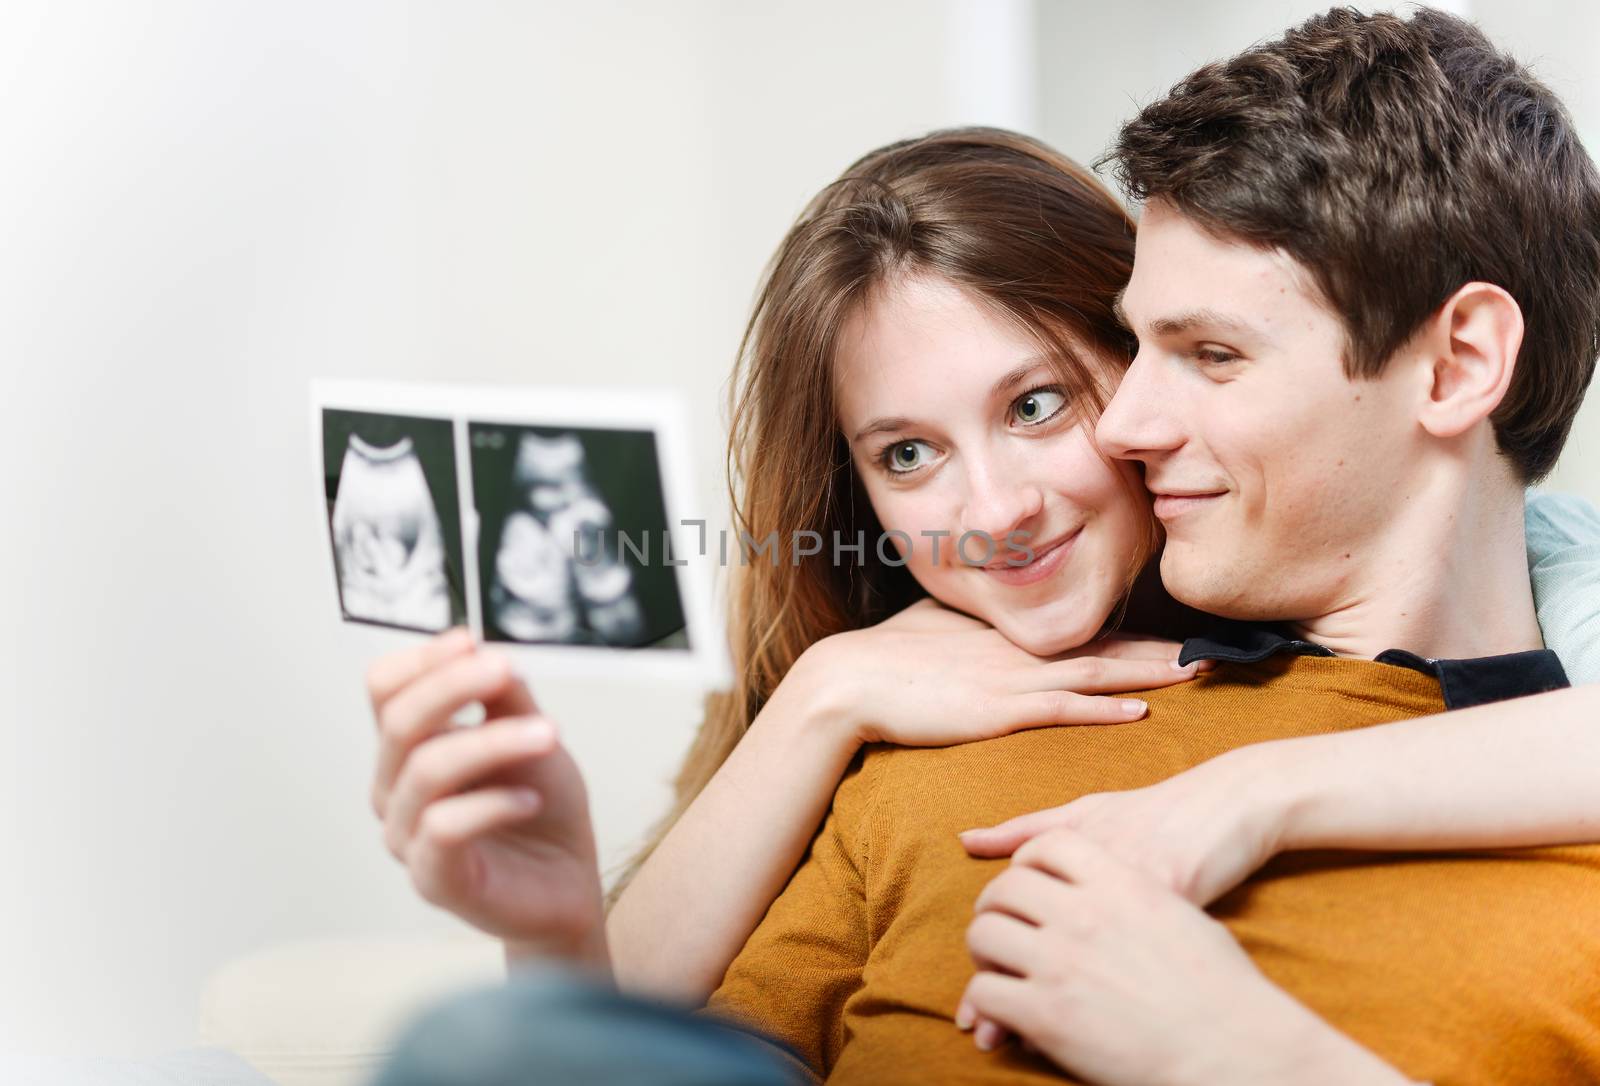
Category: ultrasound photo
<point>572,546</point>
<point>394,520</point>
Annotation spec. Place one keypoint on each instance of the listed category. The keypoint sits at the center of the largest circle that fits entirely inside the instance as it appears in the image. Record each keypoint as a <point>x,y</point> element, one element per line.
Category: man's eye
<point>904,457</point>
<point>1040,405</point>
<point>1213,356</point>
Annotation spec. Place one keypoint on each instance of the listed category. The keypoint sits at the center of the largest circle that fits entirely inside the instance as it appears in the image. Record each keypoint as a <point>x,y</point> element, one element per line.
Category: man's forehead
<point>1185,275</point>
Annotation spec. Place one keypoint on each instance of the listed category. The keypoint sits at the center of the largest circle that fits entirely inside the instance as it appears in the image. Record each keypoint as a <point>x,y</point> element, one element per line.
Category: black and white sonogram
<point>394,519</point>
<point>573,537</point>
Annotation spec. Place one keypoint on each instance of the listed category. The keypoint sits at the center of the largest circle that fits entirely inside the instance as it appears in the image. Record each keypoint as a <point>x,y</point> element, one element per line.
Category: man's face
<point>1273,474</point>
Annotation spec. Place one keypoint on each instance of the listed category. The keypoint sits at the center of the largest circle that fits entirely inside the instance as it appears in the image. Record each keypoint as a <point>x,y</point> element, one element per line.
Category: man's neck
<point>1448,580</point>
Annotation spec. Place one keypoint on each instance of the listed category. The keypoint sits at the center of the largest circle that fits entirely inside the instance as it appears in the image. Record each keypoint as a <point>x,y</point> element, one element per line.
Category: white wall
<point>208,204</point>
<point>203,206</point>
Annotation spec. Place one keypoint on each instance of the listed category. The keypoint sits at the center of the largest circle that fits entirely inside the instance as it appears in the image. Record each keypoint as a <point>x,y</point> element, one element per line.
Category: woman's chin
<point>1032,638</point>
<point>1045,634</point>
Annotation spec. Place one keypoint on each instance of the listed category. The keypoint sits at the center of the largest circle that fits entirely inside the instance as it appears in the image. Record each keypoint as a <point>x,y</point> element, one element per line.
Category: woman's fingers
<point>1069,691</point>
<point>424,708</point>
<point>1127,647</point>
<point>393,672</point>
<point>1008,836</point>
<point>455,762</point>
<point>442,869</point>
<point>1103,675</point>
<point>457,820</point>
<point>1044,707</point>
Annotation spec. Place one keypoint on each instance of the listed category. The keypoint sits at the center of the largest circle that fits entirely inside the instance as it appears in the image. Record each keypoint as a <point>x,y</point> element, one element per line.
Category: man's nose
<point>1139,422</point>
<point>1000,499</point>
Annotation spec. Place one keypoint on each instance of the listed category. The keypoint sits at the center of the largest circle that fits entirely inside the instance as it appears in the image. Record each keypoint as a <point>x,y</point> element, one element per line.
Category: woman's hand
<point>1114,977</point>
<point>492,820</point>
<point>1199,833</point>
<point>930,676</point>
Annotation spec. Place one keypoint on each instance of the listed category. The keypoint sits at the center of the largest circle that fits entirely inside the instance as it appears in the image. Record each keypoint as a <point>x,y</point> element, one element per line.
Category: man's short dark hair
<point>1397,159</point>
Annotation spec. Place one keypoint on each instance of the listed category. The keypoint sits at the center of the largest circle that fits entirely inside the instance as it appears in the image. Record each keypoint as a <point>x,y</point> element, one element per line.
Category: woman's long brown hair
<point>1012,221</point>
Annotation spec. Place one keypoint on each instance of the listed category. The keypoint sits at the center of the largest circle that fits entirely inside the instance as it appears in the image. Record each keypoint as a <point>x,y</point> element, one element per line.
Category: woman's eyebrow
<point>878,426</point>
<point>1010,380</point>
<point>1016,376</point>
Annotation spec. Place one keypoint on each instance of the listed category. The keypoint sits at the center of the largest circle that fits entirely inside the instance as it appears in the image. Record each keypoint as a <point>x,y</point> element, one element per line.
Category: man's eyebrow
<point>1179,323</point>
<point>1010,380</point>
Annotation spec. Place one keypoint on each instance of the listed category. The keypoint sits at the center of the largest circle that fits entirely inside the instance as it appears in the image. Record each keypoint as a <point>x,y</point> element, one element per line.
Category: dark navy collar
<point>1464,683</point>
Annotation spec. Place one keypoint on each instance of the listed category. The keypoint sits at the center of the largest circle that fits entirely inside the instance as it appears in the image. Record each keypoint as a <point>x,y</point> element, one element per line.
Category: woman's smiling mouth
<point>1045,562</point>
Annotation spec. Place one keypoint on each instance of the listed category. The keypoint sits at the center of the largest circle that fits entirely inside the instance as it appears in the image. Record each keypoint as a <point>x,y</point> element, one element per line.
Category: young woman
<point>967,280</point>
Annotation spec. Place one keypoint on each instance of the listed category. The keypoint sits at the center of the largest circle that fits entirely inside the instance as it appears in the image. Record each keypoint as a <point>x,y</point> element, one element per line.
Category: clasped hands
<point>1094,949</point>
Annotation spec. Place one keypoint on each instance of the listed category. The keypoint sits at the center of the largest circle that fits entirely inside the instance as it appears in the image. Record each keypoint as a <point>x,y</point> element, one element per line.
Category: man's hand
<point>1118,979</point>
<point>1199,834</point>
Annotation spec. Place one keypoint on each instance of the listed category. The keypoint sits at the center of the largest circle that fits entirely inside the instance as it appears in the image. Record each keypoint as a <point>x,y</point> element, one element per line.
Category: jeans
<point>551,1026</point>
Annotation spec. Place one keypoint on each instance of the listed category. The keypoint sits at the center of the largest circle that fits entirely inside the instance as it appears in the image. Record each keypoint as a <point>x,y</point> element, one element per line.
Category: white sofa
<point>326,1012</point>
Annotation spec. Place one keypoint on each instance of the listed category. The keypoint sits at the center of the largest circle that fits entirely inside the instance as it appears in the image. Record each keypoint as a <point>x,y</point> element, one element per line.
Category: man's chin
<point>1205,585</point>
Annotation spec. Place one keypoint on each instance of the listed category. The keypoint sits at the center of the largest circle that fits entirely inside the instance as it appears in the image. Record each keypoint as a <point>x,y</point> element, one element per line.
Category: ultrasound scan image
<point>554,505</point>
<point>393,520</point>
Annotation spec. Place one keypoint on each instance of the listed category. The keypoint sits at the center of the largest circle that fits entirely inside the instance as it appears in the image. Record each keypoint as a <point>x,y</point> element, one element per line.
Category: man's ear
<point>1473,342</point>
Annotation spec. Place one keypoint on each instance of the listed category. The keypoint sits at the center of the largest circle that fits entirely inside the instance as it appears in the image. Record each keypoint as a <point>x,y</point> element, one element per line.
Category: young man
<point>1367,294</point>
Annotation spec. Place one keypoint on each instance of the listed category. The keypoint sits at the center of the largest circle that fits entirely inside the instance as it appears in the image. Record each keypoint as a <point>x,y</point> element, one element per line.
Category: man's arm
<point>806,957</point>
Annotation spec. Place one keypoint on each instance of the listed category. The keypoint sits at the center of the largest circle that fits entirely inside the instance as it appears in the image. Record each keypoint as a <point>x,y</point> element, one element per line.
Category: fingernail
<point>965,1016</point>
<point>1206,665</point>
<point>987,1036</point>
<point>535,730</point>
<point>1134,709</point>
<point>1176,666</point>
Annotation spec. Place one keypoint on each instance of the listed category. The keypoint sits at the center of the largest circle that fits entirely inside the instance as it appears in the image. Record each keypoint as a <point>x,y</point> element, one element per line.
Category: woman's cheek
<point>913,517</point>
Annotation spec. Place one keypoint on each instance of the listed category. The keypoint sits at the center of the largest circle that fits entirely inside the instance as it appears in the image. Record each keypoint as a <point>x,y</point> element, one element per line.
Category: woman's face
<point>957,425</point>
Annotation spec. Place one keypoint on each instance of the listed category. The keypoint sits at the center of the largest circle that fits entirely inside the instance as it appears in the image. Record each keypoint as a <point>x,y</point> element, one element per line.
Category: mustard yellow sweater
<point>1456,968</point>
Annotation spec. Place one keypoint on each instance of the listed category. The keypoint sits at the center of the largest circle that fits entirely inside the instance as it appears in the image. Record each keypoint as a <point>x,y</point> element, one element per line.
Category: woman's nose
<point>999,503</point>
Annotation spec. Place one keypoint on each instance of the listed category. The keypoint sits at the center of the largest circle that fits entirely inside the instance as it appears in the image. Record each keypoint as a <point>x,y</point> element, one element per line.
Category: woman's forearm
<point>1514,773</point>
<point>695,901</point>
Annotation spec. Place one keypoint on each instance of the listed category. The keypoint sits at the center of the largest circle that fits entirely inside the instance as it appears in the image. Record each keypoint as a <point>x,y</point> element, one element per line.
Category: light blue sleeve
<point>1564,565</point>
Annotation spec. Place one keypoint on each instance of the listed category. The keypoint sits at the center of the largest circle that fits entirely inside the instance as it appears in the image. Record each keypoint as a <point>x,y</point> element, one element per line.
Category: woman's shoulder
<point>1556,522</point>
<point>1563,533</point>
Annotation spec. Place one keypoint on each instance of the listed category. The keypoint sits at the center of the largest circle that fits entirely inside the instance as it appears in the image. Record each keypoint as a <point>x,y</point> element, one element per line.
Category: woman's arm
<point>1504,775</point>
<point>695,901</point>
<point>928,677</point>
<point>1513,773</point>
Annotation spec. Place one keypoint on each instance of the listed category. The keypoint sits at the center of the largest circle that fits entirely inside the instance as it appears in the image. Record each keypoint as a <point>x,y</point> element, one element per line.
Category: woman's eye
<point>1214,356</point>
<point>1040,405</point>
<point>904,457</point>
